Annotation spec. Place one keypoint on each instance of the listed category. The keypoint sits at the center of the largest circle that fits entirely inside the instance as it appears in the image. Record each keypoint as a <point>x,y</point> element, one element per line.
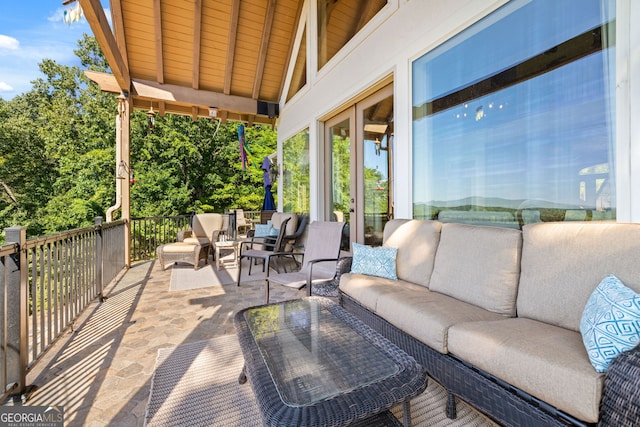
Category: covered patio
<point>101,371</point>
<point>267,62</point>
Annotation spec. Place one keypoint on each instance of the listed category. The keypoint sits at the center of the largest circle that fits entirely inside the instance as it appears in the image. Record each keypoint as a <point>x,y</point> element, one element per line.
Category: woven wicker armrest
<point>343,266</point>
<point>620,404</point>
<point>183,235</point>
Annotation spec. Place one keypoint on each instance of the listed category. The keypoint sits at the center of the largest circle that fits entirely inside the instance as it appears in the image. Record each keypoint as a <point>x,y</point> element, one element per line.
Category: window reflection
<point>295,173</point>
<point>513,119</point>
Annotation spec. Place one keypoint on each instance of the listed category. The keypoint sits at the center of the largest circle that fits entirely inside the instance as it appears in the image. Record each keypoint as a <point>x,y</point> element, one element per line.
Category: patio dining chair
<point>242,222</point>
<point>265,253</point>
<point>320,256</point>
<point>293,242</point>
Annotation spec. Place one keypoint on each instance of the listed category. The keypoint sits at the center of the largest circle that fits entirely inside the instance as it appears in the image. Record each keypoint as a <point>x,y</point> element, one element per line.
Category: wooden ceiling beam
<point>364,8</point>
<point>264,46</point>
<point>231,46</point>
<point>96,18</point>
<point>118,28</point>
<point>151,90</point>
<point>157,23</point>
<point>197,27</point>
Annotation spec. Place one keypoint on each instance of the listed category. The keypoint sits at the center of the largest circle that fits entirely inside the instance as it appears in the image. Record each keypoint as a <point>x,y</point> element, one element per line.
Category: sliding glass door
<point>358,149</point>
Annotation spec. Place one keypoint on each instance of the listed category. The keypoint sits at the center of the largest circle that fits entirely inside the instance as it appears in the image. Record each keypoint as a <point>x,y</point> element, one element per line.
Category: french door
<point>358,144</point>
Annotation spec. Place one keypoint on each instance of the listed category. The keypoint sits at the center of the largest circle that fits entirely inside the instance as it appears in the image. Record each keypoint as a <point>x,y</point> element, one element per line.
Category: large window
<point>513,119</point>
<point>295,173</point>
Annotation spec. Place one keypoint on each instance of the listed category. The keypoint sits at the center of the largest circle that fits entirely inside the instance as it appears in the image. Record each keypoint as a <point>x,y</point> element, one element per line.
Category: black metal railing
<point>45,284</point>
<point>149,233</point>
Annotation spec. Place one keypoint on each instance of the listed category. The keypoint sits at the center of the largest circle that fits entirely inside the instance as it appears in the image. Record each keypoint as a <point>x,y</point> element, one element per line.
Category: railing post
<point>99,257</point>
<point>17,315</point>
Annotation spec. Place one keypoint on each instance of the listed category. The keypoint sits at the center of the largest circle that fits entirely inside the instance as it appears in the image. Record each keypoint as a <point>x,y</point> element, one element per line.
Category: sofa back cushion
<point>479,265</point>
<point>417,241</point>
<point>205,224</point>
<point>563,262</point>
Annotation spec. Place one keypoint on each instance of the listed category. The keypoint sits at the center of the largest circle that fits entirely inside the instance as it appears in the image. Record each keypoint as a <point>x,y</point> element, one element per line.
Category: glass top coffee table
<point>310,362</point>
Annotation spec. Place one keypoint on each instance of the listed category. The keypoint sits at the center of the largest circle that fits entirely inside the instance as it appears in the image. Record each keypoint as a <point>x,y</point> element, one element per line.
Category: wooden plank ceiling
<point>185,56</point>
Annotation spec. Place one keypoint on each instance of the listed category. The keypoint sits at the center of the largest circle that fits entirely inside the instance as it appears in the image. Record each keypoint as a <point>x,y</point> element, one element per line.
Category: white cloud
<point>7,42</point>
<point>5,87</point>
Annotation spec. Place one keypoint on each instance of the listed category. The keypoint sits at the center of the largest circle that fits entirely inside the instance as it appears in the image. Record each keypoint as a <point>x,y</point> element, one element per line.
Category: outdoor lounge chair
<point>265,253</point>
<point>321,253</point>
<point>204,231</point>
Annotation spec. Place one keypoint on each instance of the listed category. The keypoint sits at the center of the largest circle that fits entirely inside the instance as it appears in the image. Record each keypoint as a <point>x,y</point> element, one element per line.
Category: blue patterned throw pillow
<point>379,261</point>
<point>610,322</point>
<point>265,230</point>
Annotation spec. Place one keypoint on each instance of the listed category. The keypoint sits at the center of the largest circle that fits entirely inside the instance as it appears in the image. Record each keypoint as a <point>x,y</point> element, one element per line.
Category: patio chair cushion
<point>204,227</point>
<point>278,217</point>
<point>488,276</point>
<point>546,361</point>
<point>378,261</point>
<point>610,322</point>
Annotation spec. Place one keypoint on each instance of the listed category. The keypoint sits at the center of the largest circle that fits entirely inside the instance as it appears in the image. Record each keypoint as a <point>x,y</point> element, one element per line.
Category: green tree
<point>57,155</point>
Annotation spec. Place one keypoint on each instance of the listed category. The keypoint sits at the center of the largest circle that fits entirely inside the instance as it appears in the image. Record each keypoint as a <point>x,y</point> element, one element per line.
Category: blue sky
<point>30,31</point>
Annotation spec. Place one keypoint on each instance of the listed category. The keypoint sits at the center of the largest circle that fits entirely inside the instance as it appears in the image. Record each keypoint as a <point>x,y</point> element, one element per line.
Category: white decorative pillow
<point>610,322</point>
<point>378,261</point>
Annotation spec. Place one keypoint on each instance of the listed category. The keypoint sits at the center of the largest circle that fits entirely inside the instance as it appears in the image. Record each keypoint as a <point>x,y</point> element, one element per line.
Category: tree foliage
<point>57,155</point>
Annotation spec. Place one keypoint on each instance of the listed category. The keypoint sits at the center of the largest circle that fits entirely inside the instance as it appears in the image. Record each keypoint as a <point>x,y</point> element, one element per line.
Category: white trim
<point>623,138</point>
<point>633,105</point>
<point>294,55</point>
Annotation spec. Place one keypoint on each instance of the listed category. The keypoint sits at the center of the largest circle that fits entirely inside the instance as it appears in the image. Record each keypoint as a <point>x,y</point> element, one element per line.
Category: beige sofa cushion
<point>562,263</point>
<point>417,241</point>
<point>427,315</point>
<point>545,361</point>
<point>367,289</point>
<point>479,265</point>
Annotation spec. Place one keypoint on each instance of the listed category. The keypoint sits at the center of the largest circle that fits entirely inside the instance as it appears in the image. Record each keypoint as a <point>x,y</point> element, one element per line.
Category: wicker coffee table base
<point>365,405</point>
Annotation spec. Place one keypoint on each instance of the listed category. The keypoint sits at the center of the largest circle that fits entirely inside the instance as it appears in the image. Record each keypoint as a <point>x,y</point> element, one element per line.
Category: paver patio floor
<point>101,371</point>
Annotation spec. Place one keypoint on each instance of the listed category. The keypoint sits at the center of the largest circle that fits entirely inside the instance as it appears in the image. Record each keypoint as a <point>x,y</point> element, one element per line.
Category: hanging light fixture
<point>124,172</point>
<point>151,118</point>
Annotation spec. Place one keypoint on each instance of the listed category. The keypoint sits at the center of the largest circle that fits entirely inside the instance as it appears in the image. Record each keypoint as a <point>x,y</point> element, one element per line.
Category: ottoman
<point>181,252</point>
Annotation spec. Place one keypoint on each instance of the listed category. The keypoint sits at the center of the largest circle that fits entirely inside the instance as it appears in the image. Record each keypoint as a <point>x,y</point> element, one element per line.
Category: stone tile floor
<point>101,371</point>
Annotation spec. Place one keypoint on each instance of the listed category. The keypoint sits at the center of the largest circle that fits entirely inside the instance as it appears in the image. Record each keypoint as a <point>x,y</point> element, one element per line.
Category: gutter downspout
<point>112,209</point>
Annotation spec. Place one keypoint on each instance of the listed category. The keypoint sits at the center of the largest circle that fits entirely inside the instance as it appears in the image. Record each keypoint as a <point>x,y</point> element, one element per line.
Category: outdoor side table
<point>226,244</point>
<point>312,363</point>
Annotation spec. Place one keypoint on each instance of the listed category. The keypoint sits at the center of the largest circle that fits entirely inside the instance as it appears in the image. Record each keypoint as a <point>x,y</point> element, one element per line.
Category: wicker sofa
<point>494,313</point>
